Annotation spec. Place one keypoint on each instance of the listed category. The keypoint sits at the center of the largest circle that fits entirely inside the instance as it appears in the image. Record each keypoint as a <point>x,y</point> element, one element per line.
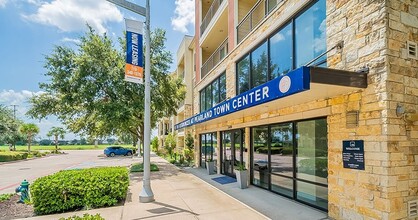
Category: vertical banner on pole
<point>134,71</point>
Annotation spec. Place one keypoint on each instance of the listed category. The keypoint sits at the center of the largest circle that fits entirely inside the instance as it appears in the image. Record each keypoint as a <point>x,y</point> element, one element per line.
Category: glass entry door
<point>232,150</point>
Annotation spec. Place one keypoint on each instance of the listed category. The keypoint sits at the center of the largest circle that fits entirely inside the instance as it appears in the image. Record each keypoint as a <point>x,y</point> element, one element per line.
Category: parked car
<point>111,151</point>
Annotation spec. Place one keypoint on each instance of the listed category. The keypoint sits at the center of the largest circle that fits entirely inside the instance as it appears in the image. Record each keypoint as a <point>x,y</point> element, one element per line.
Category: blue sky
<point>29,29</point>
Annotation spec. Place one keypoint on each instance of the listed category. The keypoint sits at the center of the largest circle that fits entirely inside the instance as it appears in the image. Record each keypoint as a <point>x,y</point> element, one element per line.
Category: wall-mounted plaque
<point>353,154</point>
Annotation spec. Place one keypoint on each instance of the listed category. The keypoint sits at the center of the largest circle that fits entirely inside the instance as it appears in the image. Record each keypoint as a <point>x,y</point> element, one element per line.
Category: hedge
<point>314,166</point>
<point>75,189</point>
<point>139,167</point>
<point>11,156</point>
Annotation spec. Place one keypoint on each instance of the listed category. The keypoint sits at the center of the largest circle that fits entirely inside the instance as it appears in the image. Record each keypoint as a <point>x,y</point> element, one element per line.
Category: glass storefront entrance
<point>208,144</point>
<point>291,159</point>
<point>232,151</point>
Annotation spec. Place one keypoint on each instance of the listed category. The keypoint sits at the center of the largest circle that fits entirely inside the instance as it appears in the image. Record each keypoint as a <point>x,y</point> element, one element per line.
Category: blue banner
<point>134,48</point>
<point>294,82</point>
<point>134,71</point>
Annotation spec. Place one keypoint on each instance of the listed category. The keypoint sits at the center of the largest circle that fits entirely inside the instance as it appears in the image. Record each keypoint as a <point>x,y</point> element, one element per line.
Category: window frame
<point>267,40</point>
<point>218,93</point>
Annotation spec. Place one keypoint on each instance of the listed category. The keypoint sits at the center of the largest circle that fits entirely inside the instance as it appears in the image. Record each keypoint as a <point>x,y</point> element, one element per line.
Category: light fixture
<point>400,110</point>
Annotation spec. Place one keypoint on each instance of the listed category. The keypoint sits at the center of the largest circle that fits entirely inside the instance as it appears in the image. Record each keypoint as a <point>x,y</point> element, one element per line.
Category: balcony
<point>209,15</point>
<point>215,58</point>
<point>255,15</point>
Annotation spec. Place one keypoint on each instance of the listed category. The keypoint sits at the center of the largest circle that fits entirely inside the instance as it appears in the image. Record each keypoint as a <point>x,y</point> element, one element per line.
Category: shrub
<point>85,217</point>
<point>172,161</point>
<point>139,167</point>
<point>73,189</point>
<point>12,156</point>
<point>4,197</point>
<point>314,166</point>
<point>154,144</point>
<point>265,150</point>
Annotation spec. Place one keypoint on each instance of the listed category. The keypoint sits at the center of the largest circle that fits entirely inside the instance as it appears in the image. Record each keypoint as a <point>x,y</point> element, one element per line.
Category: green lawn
<point>62,147</point>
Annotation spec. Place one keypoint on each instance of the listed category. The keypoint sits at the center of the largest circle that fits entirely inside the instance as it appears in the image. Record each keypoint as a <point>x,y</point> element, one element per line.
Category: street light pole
<point>146,194</point>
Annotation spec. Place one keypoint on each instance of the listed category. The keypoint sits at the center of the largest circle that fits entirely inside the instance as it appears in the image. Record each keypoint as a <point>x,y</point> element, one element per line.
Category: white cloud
<point>3,3</point>
<point>35,2</point>
<point>277,38</point>
<point>72,40</point>
<point>73,15</point>
<point>183,15</point>
<point>21,100</point>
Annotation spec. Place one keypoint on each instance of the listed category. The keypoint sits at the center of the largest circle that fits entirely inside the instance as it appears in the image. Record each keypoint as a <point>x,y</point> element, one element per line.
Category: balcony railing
<point>260,10</point>
<point>209,15</point>
<point>215,58</point>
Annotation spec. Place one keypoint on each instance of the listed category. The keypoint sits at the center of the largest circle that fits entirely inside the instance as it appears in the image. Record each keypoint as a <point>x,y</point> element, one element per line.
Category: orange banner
<point>134,73</point>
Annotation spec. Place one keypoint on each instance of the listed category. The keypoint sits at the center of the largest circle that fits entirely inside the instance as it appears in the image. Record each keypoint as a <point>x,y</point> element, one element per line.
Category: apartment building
<point>185,71</point>
<point>318,98</point>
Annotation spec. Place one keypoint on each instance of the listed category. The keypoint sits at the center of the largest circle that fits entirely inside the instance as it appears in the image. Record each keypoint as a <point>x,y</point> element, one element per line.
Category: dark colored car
<point>117,150</point>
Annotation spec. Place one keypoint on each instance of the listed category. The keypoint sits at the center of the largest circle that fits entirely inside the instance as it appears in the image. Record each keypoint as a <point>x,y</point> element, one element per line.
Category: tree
<point>57,132</point>
<point>189,151</point>
<point>87,92</point>
<point>29,130</point>
<point>9,126</point>
<point>170,143</point>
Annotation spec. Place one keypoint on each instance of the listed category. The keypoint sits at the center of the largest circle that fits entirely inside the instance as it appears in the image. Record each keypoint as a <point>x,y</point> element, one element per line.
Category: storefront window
<point>312,154</point>
<point>259,65</point>
<point>310,34</point>
<point>260,156</point>
<point>208,144</point>
<point>281,52</point>
<point>281,149</point>
<point>312,161</point>
<point>292,159</point>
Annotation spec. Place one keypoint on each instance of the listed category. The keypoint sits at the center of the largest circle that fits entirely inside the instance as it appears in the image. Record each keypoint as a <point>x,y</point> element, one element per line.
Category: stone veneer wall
<point>374,34</point>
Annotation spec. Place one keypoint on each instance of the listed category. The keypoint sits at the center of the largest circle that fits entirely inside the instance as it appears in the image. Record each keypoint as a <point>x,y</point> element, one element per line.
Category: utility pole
<point>146,194</point>
<point>14,123</point>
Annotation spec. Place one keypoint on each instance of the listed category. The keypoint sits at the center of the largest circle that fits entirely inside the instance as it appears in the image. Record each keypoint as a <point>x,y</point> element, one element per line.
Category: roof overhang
<point>299,86</point>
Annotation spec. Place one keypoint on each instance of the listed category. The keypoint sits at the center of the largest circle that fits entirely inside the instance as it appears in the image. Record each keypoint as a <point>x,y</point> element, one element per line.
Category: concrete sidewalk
<point>178,195</point>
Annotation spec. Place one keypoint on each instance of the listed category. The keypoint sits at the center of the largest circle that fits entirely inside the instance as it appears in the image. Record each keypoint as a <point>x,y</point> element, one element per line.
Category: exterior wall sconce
<point>400,110</point>
<point>408,116</point>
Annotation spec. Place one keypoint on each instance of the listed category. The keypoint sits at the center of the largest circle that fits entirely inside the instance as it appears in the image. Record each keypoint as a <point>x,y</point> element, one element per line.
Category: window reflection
<point>312,154</point>
<point>282,149</point>
<point>310,34</point>
<point>213,93</point>
<point>281,52</point>
<point>312,194</point>
<point>203,151</point>
<point>260,156</point>
<point>243,73</point>
<point>259,65</point>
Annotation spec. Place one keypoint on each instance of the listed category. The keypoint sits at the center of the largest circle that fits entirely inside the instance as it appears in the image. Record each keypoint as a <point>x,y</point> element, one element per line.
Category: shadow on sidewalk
<point>165,210</point>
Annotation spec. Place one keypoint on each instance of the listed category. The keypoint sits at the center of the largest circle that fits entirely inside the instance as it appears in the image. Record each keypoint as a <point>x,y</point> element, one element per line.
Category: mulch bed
<point>10,209</point>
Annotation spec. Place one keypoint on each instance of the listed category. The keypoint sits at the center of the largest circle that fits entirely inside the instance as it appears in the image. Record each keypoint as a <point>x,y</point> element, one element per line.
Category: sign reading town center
<point>294,82</point>
<point>134,71</point>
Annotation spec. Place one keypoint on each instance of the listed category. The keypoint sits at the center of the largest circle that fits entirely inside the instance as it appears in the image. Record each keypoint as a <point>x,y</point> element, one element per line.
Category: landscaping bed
<point>10,209</point>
